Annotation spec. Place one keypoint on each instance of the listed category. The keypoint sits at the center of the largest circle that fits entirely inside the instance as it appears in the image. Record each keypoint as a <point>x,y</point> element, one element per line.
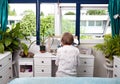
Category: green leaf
<point>8,41</point>
<point>1,48</point>
<point>25,48</point>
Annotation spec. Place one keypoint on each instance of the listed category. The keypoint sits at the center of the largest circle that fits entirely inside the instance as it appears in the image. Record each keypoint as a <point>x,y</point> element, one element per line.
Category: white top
<point>66,60</point>
<point>6,53</point>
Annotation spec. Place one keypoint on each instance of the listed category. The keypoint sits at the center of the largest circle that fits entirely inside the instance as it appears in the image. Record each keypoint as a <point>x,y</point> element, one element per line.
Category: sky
<point>20,8</point>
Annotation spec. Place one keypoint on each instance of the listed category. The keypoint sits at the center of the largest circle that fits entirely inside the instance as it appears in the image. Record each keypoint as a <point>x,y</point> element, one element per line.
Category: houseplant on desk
<point>46,31</point>
<point>110,47</point>
<point>25,50</point>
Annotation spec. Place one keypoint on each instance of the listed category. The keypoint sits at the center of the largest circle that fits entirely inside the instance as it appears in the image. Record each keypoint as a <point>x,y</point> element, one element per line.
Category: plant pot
<point>109,63</point>
<point>29,55</point>
<point>42,49</point>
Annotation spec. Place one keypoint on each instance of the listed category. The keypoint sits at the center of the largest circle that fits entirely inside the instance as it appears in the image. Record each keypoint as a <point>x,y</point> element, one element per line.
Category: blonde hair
<point>67,38</point>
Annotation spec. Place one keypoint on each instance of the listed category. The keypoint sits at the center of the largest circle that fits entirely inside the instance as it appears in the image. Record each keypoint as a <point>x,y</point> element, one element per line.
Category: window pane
<point>98,23</point>
<point>96,18</point>
<point>68,18</point>
<point>90,23</point>
<point>83,23</point>
<point>47,17</point>
<point>26,15</point>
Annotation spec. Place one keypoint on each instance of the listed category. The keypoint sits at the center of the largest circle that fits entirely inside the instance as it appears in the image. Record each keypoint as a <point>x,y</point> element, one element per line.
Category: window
<point>93,23</point>
<point>47,19</point>
<point>68,15</point>
<point>26,15</point>
<point>98,23</point>
<point>63,18</point>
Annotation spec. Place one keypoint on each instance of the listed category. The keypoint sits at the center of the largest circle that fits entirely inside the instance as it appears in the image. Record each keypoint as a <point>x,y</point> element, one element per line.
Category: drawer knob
<point>42,61</point>
<point>115,75</point>
<point>0,65</point>
<point>85,62</point>
<point>116,66</point>
<point>9,58</point>
<point>10,77</point>
<point>84,70</point>
<point>0,76</point>
<point>42,70</point>
<point>9,68</point>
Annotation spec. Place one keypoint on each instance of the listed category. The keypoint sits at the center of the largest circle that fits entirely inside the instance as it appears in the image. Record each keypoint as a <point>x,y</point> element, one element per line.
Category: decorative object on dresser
<point>116,67</point>
<point>5,67</point>
<point>86,65</point>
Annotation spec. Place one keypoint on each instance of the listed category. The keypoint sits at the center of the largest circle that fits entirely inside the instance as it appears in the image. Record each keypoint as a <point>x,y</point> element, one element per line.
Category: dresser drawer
<point>85,70</point>
<point>116,64</point>
<point>42,61</point>
<point>86,62</point>
<point>6,75</point>
<point>7,78</point>
<point>43,69</point>
<point>116,74</point>
<point>5,61</point>
<point>42,74</point>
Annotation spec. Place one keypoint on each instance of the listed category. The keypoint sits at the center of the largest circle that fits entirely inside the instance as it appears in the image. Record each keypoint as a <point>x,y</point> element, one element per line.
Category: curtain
<point>3,14</point>
<point>114,14</point>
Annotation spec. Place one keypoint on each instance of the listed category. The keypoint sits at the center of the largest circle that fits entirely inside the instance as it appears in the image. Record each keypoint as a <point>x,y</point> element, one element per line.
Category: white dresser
<point>5,67</point>
<point>85,65</point>
<point>42,65</point>
<point>116,67</point>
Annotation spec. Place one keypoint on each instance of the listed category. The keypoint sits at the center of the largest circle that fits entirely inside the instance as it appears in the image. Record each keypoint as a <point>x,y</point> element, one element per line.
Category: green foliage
<point>85,37</point>
<point>41,14</point>
<point>28,23</point>
<point>11,12</point>
<point>2,48</point>
<point>25,48</point>
<point>69,13</point>
<point>68,26</point>
<point>46,28</point>
<point>110,47</point>
<point>10,39</point>
<point>96,12</point>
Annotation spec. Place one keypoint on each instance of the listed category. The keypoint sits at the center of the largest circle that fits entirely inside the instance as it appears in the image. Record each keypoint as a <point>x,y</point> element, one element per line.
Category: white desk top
<point>2,55</point>
<point>47,54</point>
<point>53,57</point>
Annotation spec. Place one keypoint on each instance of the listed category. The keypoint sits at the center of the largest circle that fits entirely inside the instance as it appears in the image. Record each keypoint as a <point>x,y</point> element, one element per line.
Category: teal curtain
<point>3,14</point>
<point>113,9</point>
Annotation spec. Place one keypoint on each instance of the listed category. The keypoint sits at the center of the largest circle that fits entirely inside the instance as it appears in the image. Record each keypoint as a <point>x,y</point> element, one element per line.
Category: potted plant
<point>110,47</point>
<point>46,31</point>
<point>25,50</point>
<point>10,39</point>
